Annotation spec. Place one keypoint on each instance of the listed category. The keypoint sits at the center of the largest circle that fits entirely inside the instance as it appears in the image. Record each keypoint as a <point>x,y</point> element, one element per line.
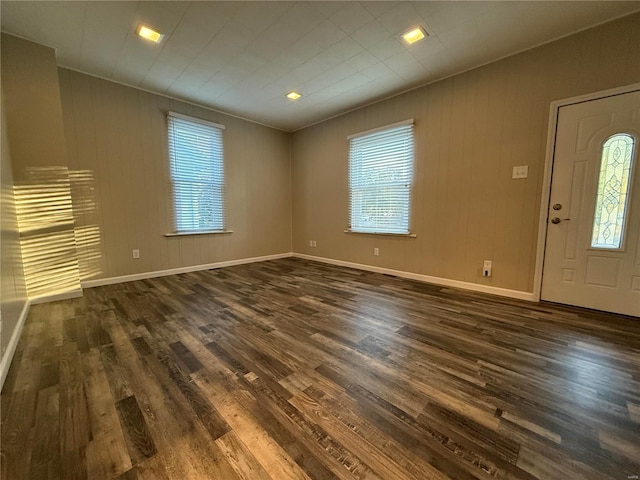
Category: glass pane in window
<point>380,177</point>
<point>197,175</point>
<point>613,189</point>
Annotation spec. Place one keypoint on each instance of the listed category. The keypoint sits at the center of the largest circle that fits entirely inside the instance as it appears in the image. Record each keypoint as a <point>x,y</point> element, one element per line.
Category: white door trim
<point>548,168</point>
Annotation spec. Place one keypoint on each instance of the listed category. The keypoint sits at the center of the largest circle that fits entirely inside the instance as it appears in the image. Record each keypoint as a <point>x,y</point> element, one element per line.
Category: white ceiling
<point>242,57</point>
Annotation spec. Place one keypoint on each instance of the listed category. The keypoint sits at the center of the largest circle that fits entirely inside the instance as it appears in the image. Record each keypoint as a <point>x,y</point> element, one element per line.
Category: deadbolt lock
<point>557,206</point>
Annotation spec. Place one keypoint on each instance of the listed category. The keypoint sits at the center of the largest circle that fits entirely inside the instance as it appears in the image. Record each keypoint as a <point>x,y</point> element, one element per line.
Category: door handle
<point>556,220</point>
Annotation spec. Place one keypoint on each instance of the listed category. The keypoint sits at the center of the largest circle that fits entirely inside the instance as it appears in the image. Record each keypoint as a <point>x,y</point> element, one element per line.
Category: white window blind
<point>380,177</point>
<point>197,174</point>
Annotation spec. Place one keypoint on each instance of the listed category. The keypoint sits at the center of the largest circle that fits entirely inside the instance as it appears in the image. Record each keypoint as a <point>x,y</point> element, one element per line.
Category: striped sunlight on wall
<point>56,253</point>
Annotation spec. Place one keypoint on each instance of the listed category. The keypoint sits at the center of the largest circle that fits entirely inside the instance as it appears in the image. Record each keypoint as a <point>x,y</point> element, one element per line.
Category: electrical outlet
<point>136,253</point>
<point>486,268</point>
<point>521,171</point>
<point>315,244</point>
<point>376,251</point>
<point>311,243</point>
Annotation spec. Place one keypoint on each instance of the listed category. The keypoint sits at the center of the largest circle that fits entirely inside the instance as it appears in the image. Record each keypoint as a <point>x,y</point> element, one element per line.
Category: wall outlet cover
<point>521,171</point>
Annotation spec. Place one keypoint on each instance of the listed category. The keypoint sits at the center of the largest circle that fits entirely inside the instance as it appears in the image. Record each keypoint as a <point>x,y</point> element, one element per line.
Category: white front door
<point>592,252</point>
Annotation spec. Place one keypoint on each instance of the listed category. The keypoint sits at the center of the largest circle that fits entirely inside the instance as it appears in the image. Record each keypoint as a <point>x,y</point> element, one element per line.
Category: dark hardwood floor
<point>291,369</point>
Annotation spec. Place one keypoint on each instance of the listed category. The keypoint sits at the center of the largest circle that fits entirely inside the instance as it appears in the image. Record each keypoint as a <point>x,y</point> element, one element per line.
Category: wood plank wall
<point>471,129</point>
<point>116,135</point>
<point>12,285</point>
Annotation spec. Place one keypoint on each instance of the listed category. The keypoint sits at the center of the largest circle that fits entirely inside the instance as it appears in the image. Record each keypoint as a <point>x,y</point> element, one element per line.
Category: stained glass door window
<point>613,191</point>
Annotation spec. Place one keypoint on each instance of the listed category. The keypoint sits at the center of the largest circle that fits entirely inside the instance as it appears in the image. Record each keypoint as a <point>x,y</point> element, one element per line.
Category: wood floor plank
<point>185,445</point>
<point>336,457</point>
<point>17,434</point>
<point>139,441</point>
<point>295,370</point>
<point>240,458</point>
<point>237,406</point>
<point>273,442</point>
<point>344,410</point>
<point>75,426</point>
<point>73,464</point>
<point>344,435</point>
<point>45,456</point>
<point>119,382</point>
<point>400,426</point>
<point>471,434</point>
<point>107,454</point>
<point>206,413</point>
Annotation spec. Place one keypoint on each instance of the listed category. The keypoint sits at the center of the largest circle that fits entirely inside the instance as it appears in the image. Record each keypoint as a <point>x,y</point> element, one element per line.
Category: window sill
<point>204,232</point>
<point>409,235</point>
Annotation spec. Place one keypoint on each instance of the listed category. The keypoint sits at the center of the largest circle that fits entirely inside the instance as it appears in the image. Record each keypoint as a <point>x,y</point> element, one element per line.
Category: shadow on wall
<point>59,247</point>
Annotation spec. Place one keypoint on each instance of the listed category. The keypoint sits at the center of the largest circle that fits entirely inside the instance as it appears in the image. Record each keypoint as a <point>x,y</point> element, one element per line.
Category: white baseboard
<point>445,282</point>
<point>174,271</point>
<point>13,343</point>
<point>55,297</point>
<point>504,292</point>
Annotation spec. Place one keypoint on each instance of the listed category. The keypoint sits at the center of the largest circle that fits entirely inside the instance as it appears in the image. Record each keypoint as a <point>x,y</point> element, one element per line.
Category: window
<point>380,177</point>
<point>612,196</point>
<point>197,174</point>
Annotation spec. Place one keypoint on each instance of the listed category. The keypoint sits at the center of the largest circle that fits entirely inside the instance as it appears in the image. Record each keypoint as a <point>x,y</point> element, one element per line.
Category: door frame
<point>545,198</point>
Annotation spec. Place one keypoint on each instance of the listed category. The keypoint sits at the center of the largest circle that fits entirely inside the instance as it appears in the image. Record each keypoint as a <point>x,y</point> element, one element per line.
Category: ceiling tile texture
<point>243,57</point>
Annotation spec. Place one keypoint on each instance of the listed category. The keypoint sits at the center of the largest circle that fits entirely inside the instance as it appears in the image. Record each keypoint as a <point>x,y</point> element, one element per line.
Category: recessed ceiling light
<point>293,95</point>
<point>414,35</point>
<point>149,33</point>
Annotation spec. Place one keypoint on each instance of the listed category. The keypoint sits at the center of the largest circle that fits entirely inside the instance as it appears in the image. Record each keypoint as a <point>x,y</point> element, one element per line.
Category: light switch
<point>520,172</point>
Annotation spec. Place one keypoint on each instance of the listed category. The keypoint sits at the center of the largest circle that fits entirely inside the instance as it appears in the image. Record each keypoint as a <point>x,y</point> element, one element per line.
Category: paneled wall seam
<point>120,141</point>
<point>471,130</point>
